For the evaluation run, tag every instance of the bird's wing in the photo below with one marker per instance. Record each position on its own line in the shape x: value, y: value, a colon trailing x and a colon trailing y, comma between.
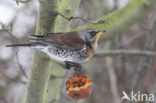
x: 69, y: 40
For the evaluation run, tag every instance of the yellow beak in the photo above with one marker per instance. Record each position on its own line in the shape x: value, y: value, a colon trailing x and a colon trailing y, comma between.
x: 100, y: 32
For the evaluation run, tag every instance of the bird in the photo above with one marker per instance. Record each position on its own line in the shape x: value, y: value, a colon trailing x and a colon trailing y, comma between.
x: 72, y: 48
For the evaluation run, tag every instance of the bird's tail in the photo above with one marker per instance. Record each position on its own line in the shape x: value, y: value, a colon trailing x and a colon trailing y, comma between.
x: 13, y: 45
x: 25, y: 44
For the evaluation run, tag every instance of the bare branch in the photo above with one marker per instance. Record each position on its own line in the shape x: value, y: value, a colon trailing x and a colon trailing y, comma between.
x: 53, y: 101
x: 112, y: 77
x: 120, y: 20
x: 18, y: 80
x: 8, y: 30
x: 113, y: 82
x: 55, y: 76
x: 72, y: 18
x: 112, y: 53
x: 20, y: 66
x: 143, y: 62
x: 22, y: 1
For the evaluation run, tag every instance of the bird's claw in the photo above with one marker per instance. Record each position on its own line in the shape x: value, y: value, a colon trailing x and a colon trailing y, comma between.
x: 76, y: 66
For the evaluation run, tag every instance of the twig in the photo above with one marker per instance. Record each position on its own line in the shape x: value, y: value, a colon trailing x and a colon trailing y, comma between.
x: 53, y: 101
x: 113, y: 82
x: 12, y: 36
x: 120, y: 20
x: 143, y: 63
x: 56, y: 76
x: 22, y: 1
x: 112, y: 77
x: 9, y: 31
x: 20, y: 66
x: 18, y: 80
x: 112, y: 53
x: 72, y: 17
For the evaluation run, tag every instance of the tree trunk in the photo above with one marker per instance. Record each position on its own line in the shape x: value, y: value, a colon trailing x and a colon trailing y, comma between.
x: 40, y: 70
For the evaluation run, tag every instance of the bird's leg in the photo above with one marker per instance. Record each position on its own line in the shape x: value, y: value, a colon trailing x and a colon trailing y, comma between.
x: 68, y: 65
x: 72, y: 17
x: 77, y: 67
x: 65, y: 66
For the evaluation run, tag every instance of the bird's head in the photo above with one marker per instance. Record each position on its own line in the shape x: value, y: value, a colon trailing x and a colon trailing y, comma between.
x: 91, y: 34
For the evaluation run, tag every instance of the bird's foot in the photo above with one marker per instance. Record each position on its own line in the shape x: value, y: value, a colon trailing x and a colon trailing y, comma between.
x: 77, y: 67
x: 65, y: 66
x: 68, y: 65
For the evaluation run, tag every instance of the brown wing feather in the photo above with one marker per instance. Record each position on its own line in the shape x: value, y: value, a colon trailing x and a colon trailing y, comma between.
x: 69, y: 39
x: 72, y: 39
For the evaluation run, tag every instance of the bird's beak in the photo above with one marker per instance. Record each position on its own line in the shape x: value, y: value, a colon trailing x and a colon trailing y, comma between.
x: 101, y: 32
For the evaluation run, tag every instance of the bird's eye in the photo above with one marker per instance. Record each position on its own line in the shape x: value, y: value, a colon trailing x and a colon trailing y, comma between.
x: 93, y: 33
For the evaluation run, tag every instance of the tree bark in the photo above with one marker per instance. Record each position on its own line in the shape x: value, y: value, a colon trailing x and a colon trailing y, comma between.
x: 39, y: 71
x: 67, y: 8
x: 116, y: 22
x: 119, y: 20
x: 43, y: 82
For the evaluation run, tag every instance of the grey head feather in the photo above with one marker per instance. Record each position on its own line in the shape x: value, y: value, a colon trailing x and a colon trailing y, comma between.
x: 86, y: 34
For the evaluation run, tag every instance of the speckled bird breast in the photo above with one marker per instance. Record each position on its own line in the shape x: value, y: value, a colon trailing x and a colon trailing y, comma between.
x: 64, y: 54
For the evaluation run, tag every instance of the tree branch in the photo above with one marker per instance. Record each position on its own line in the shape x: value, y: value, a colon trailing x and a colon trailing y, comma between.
x: 20, y: 66
x: 113, y: 53
x: 41, y: 88
x: 112, y: 76
x: 67, y: 8
x: 143, y: 62
x: 118, y: 21
x: 22, y: 1
x: 39, y: 72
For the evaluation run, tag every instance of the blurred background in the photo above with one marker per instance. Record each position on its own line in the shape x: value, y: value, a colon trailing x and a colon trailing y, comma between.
x: 127, y: 72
